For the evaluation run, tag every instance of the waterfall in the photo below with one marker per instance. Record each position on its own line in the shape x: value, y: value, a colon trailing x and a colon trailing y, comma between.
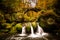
x: 33, y: 35
x: 32, y: 31
x: 23, y: 30
x: 39, y: 30
x: 33, y: 3
x: 23, y: 33
x: 40, y: 33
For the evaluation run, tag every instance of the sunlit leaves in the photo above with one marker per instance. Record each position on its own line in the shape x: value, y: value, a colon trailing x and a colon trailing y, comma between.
x: 13, y: 30
x: 31, y: 16
x: 8, y: 25
x: 18, y: 26
x: 19, y: 16
x: 46, y: 15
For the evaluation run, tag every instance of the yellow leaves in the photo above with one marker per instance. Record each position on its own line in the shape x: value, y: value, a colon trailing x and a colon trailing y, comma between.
x: 39, y: 13
x: 26, y: 18
x: 19, y: 25
x: 34, y: 24
x: 48, y: 12
x: 44, y: 3
x: 31, y: 16
x: 13, y: 30
x: 8, y: 25
x: 22, y: 5
x: 51, y: 1
x: 19, y: 16
x: 41, y: 4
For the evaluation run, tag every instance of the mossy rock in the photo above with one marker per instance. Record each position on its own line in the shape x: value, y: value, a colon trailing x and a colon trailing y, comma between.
x: 18, y: 26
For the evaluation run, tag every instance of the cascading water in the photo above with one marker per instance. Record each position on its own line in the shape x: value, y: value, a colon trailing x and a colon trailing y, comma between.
x: 33, y: 4
x: 32, y: 32
x: 23, y: 32
x: 40, y: 31
x: 40, y: 34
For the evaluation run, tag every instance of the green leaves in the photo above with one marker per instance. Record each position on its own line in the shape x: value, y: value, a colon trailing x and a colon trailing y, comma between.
x: 18, y: 26
x: 13, y: 30
x: 12, y: 15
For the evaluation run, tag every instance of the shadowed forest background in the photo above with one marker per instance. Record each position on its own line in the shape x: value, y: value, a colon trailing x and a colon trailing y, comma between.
x: 13, y: 13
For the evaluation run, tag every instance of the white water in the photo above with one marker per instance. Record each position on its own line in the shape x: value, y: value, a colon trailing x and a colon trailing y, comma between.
x: 32, y: 32
x: 40, y: 31
x: 23, y: 31
x: 33, y: 3
x: 39, y: 34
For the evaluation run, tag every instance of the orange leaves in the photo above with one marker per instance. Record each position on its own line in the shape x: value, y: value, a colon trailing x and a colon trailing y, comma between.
x: 31, y: 15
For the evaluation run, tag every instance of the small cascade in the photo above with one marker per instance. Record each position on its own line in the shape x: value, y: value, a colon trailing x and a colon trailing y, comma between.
x: 40, y: 31
x: 32, y: 32
x: 23, y: 32
x: 39, y: 34
x: 33, y: 4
